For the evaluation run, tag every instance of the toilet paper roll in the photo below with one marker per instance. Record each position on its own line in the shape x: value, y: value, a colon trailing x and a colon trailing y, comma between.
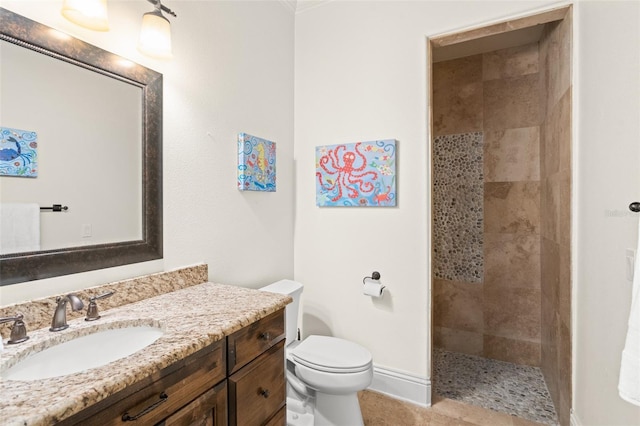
x: 373, y: 289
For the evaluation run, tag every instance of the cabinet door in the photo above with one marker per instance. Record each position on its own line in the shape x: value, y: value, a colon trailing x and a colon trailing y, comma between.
x: 209, y: 409
x: 257, y: 391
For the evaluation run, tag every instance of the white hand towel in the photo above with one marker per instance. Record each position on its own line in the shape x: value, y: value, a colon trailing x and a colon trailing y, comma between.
x: 629, y: 382
x: 19, y: 227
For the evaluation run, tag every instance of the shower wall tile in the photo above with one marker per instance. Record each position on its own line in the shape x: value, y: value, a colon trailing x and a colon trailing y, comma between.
x: 550, y: 205
x: 517, y: 351
x: 466, y: 342
x: 457, y: 96
x: 508, y: 108
x: 511, y: 103
x: 557, y: 60
x: 511, y: 207
x: 564, y: 374
x: 564, y: 358
x: 512, y: 62
x: 555, y: 200
x: 550, y: 271
x: 564, y: 131
x: 557, y: 140
x: 457, y: 207
x: 549, y: 357
x: 457, y: 305
x: 511, y: 261
x: 564, y: 213
x: 457, y: 159
x: 564, y: 284
x: 513, y: 313
x: 512, y: 155
x: 556, y: 205
x: 563, y: 406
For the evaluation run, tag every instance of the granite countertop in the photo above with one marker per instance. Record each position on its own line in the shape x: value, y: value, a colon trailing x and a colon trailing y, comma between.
x: 192, y: 318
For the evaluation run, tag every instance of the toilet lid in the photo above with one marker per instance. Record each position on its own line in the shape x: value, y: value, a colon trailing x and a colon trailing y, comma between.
x: 332, y: 354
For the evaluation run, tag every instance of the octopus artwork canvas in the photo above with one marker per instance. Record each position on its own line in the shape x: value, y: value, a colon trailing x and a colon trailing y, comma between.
x: 361, y: 174
x: 18, y: 152
x: 256, y: 164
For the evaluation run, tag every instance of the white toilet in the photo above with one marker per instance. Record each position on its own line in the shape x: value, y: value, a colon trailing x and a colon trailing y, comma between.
x: 324, y: 374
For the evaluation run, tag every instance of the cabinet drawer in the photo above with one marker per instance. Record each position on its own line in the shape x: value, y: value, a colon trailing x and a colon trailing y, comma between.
x: 246, y: 344
x: 257, y: 391
x: 280, y: 418
x: 161, y: 394
x: 209, y: 409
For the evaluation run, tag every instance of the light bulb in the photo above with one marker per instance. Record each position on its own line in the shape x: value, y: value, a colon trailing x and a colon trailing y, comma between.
x: 155, y: 35
x: 91, y: 14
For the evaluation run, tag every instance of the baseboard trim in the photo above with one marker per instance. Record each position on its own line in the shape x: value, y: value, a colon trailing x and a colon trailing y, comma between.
x: 402, y: 386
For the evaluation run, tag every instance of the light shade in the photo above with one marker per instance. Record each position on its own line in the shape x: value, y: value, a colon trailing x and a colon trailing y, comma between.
x: 90, y: 14
x: 155, y: 36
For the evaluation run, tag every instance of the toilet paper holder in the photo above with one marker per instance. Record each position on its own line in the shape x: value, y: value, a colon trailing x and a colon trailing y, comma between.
x: 375, y: 275
x: 373, y: 288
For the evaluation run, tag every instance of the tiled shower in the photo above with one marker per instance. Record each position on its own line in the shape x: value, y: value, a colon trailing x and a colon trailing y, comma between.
x: 501, y: 202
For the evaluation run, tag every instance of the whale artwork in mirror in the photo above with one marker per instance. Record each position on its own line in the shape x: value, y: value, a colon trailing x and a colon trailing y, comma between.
x: 98, y: 120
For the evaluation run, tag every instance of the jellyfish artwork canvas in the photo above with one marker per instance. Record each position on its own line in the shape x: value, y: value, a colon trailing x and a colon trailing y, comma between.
x: 256, y: 164
x: 18, y: 152
x: 361, y: 174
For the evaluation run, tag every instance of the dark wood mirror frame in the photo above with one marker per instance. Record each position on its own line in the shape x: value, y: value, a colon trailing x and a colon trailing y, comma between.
x: 21, y: 267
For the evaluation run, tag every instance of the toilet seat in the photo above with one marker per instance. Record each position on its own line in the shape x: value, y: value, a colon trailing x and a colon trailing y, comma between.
x: 332, y: 355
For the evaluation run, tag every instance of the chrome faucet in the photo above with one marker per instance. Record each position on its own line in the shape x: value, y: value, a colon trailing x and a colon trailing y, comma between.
x: 92, y: 310
x: 59, y: 321
x: 18, y: 331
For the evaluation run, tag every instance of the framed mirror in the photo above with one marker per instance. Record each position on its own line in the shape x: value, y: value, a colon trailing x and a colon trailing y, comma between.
x: 102, y: 159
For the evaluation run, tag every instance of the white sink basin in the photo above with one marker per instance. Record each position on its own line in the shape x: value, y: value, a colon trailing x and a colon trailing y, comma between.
x: 83, y: 353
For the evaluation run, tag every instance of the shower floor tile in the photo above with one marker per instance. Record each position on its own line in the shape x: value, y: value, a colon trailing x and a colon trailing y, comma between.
x: 518, y: 390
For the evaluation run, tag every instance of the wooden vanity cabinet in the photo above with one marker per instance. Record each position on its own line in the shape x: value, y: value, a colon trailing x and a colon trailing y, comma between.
x: 196, y: 384
x: 257, y: 385
x: 236, y: 381
x: 208, y: 409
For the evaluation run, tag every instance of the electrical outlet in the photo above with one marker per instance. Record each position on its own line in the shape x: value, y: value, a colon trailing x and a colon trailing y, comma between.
x: 86, y: 230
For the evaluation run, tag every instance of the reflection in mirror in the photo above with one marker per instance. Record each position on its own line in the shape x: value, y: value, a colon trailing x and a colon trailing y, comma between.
x: 87, y: 147
x: 94, y: 122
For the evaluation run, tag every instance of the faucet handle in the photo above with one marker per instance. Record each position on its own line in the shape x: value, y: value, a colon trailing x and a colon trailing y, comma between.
x: 18, y: 331
x: 92, y: 309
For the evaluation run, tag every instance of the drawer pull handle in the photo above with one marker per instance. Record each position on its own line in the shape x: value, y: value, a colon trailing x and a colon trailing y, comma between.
x: 265, y: 393
x: 163, y: 398
x: 265, y: 336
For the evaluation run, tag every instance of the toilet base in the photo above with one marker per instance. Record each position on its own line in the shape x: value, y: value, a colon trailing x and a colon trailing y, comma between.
x: 337, y: 410
x: 299, y: 413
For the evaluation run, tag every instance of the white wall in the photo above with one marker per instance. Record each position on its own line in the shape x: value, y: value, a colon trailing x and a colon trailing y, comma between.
x: 232, y: 72
x: 361, y: 75
x: 607, y: 104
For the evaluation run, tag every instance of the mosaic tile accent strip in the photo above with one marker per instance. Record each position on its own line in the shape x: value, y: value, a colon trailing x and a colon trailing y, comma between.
x: 458, y: 194
x: 514, y: 389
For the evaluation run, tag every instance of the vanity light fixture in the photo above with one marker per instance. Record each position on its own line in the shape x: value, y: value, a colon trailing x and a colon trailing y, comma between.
x: 155, y: 34
x: 90, y: 14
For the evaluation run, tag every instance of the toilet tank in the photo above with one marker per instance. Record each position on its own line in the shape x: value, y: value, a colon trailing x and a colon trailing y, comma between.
x: 293, y: 289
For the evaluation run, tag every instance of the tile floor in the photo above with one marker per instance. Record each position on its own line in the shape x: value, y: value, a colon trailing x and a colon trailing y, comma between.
x: 519, y: 390
x: 478, y: 391
x: 381, y: 410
